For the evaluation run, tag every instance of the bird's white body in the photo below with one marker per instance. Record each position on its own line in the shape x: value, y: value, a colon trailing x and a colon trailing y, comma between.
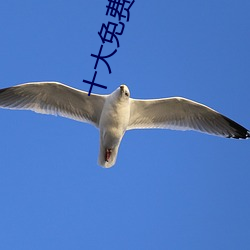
x: 113, y: 124
x: 116, y: 113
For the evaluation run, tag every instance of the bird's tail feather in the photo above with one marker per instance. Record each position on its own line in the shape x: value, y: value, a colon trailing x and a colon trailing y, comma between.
x: 102, y: 157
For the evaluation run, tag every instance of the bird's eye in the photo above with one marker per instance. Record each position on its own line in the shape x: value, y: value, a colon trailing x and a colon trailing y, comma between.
x: 126, y: 93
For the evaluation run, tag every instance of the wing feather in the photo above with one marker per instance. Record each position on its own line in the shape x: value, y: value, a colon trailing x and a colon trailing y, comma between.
x: 182, y: 114
x: 54, y: 98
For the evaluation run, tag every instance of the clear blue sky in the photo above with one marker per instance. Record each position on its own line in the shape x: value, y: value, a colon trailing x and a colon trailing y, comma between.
x: 169, y: 189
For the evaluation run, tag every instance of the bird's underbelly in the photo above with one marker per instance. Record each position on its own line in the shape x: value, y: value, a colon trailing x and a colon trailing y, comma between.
x: 113, y: 124
x: 111, y: 136
x: 112, y: 131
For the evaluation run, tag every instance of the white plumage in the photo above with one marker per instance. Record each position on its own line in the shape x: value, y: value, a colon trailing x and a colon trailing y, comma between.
x: 115, y: 113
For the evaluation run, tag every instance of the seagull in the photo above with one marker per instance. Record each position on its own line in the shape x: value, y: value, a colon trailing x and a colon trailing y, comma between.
x: 116, y: 113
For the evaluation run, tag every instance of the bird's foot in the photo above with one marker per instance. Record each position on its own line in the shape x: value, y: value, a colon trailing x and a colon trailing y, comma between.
x: 108, y: 154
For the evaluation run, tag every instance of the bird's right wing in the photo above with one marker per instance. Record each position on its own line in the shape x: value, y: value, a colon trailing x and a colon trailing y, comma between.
x: 182, y: 114
x: 54, y: 98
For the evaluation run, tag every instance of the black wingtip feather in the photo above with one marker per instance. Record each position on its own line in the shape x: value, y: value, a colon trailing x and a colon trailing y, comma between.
x: 3, y: 90
x: 239, y: 131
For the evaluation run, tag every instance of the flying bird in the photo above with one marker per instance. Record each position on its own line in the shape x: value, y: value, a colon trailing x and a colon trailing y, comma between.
x: 116, y: 113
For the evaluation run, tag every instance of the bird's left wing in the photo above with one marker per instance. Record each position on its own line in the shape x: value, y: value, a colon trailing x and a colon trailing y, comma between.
x: 54, y: 98
x: 182, y: 114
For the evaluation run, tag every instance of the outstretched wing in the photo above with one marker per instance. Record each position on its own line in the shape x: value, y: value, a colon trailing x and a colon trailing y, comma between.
x: 55, y: 99
x: 182, y: 114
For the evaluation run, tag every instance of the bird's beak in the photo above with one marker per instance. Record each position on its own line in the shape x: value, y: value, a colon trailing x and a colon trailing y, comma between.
x: 122, y: 88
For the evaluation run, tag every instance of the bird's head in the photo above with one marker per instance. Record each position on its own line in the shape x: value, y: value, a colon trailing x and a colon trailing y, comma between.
x: 124, y: 91
x: 121, y: 93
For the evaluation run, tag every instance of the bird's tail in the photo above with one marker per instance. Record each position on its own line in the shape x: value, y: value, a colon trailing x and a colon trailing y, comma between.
x: 103, y: 160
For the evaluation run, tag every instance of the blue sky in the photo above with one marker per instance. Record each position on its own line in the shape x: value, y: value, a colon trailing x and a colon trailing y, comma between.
x: 169, y: 189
